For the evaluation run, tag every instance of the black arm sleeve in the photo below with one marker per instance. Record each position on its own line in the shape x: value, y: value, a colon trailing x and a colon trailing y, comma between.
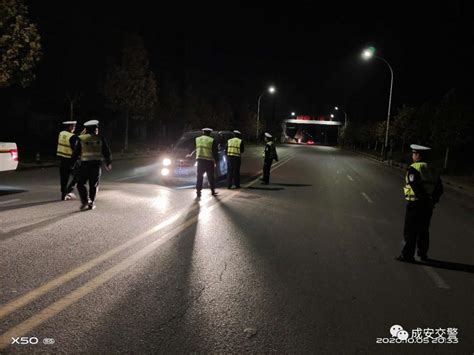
x: 438, y: 191
x: 215, y: 153
x: 275, y: 155
x: 414, y: 179
x: 73, y: 142
x: 242, y: 147
x: 106, y: 153
x: 76, y: 152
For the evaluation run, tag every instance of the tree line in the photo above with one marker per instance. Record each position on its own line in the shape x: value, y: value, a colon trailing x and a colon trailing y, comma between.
x: 446, y: 126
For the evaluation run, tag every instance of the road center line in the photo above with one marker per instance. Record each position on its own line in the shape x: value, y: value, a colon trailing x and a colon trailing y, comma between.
x: 9, y: 201
x: 367, y: 197
x: 57, y: 282
x: 438, y: 280
x: 47, y: 313
x: 350, y: 178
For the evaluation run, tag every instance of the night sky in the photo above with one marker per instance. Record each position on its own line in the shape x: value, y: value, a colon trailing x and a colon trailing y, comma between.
x: 310, y: 50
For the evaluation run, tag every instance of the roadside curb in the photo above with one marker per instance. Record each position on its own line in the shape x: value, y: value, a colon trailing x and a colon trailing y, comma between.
x: 447, y: 182
x: 52, y: 164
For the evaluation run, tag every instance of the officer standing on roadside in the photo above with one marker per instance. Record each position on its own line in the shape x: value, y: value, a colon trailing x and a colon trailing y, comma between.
x: 269, y: 155
x: 423, y: 188
x: 91, y: 148
x: 66, y: 142
x: 206, y: 158
x: 234, y: 150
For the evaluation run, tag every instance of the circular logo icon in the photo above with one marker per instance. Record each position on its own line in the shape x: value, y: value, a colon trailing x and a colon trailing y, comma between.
x: 402, y: 335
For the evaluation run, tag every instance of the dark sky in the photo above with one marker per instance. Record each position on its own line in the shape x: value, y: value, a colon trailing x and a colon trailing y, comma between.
x: 310, y: 50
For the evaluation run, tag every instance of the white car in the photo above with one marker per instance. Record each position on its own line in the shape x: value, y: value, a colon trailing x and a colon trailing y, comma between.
x: 8, y: 156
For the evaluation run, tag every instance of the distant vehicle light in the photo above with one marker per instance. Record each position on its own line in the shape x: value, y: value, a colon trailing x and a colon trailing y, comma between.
x: 165, y: 171
x: 166, y: 162
x: 310, y: 142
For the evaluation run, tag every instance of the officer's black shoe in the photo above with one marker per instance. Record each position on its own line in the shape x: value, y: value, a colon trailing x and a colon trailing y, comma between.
x: 237, y: 187
x: 406, y: 259
x: 423, y: 257
x: 214, y: 193
x: 84, y: 207
x: 265, y: 183
x: 229, y: 187
x: 91, y: 205
x: 63, y: 197
x: 198, y: 194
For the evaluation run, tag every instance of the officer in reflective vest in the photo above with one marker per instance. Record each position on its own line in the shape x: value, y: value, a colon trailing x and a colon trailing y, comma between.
x: 269, y: 154
x: 91, y: 149
x: 234, y: 150
x: 423, y: 189
x: 206, y: 158
x: 66, y: 142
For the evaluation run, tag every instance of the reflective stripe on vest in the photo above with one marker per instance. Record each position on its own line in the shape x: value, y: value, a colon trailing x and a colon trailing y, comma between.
x: 204, y: 147
x: 91, y: 147
x: 64, y: 146
x: 233, y: 146
x: 428, y: 180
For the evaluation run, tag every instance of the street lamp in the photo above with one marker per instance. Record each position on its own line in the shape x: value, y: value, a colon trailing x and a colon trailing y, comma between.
x: 271, y: 90
x: 293, y: 114
x: 332, y: 116
x: 345, y: 115
x: 367, y: 54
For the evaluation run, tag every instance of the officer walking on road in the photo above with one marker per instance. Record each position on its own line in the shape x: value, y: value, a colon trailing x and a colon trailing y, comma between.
x: 269, y: 155
x: 206, y: 157
x: 91, y: 148
x: 423, y: 189
x: 234, y: 150
x: 66, y: 142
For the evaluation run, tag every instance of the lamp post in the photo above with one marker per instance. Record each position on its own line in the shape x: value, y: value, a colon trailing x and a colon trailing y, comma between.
x: 271, y: 90
x: 368, y: 54
x: 293, y: 114
x: 345, y: 115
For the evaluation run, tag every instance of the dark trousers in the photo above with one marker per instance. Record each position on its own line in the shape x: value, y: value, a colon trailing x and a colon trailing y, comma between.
x: 417, y: 225
x: 267, y: 165
x: 88, y: 172
x: 65, y: 170
x: 233, y: 171
x: 205, y: 166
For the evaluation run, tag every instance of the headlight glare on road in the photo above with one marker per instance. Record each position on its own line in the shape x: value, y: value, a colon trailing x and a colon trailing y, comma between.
x: 165, y: 171
x: 166, y: 162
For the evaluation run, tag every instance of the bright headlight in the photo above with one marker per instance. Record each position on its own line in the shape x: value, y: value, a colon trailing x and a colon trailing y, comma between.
x: 165, y: 171
x: 166, y: 162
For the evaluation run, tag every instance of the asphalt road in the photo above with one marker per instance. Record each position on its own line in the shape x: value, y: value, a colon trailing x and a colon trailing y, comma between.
x: 303, y: 265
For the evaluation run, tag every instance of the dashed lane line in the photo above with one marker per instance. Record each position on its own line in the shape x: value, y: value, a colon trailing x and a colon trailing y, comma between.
x: 438, y: 280
x: 369, y: 200
x: 350, y: 178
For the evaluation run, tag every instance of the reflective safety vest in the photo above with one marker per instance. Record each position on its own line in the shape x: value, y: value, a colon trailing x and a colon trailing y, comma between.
x: 204, y: 147
x: 64, y: 146
x: 428, y: 179
x: 233, y: 147
x: 91, y: 147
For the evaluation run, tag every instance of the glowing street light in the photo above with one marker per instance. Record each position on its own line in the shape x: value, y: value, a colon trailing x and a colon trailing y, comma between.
x: 271, y: 90
x: 345, y: 114
x: 367, y: 54
x: 293, y: 114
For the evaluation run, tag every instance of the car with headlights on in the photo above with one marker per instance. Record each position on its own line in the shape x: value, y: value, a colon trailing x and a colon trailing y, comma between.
x: 179, y: 165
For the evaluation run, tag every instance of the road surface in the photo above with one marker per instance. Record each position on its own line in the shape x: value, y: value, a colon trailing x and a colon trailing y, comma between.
x: 303, y: 265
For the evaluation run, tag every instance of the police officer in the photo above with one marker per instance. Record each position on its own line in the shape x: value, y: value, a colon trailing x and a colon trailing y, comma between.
x: 269, y: 155
x: 66, y: 142
x: 91, y: 148
x: 234, y: 149
x: 206, y: 157
x: 423, y: 188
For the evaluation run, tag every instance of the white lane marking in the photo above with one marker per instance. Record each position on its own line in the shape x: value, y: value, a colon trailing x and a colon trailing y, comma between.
x: 369, y: 200
x: 185, y: 187
x: 275, y: 166
x: 350, y: 177
x: 131, y: 177
x: 9, y: 201
x: 439, y: 282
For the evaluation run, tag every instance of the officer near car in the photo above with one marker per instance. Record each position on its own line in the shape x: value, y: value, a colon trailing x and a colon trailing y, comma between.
x: 269, y: 154
x: 92, y: 149
x: 423, y: 189
x: 206, y: 158
x: 235, y: 148
x: 66, y: 142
